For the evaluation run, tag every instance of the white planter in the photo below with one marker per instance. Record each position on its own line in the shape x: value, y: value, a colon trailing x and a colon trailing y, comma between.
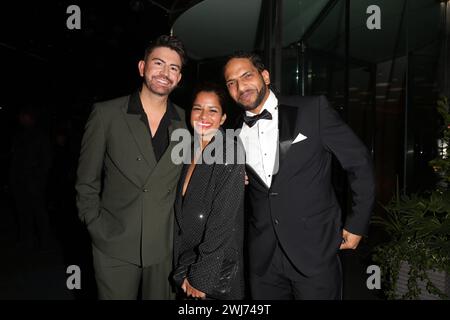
x: 440, y: 279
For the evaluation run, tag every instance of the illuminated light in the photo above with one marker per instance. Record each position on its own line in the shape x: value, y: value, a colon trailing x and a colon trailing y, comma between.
x: 442, y: 146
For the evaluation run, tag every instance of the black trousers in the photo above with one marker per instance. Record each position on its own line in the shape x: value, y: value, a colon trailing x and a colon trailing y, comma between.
x: 282, y: 281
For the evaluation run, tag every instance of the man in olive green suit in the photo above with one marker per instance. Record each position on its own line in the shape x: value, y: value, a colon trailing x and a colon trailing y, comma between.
x: 126, y: 180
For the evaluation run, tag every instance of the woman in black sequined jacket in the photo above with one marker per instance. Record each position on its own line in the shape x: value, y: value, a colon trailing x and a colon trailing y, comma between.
x: 209, y: 208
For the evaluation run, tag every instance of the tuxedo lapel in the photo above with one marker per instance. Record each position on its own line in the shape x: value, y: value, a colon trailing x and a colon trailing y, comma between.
x: 287, y: 121
x: 287, y: 127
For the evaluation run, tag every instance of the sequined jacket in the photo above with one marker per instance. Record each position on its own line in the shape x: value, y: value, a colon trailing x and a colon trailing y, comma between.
x: 209, y: 226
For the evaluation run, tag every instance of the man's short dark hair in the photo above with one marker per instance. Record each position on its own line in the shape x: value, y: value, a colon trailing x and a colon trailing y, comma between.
x: 214, y: 88
x: 253, y: 57
x: 170, y: 42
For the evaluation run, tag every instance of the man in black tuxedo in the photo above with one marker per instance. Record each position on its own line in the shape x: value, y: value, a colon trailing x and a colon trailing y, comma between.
x: 295, y: 230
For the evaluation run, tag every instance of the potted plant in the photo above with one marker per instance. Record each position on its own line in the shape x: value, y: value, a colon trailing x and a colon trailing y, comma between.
x: 418, y: 226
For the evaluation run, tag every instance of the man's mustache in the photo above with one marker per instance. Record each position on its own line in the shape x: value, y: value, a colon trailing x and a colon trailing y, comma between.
x: 245, y: 92
x: 163, y: 78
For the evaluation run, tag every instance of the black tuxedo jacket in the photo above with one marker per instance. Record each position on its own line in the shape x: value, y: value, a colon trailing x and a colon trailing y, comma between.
x: 300, y: 209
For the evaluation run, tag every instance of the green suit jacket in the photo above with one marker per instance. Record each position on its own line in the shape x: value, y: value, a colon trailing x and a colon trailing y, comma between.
x: 124, y: 196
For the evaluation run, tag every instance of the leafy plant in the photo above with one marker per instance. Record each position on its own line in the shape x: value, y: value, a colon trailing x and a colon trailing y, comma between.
x: 419, y: 229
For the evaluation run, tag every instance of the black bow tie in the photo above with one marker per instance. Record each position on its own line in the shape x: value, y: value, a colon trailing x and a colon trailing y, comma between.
x: 250, y: 121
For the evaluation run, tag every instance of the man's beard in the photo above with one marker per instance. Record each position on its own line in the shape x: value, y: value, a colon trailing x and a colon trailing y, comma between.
x: 158, y: 90
x: 259, y: 99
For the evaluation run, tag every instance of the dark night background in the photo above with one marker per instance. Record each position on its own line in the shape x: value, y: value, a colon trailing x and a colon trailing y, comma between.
x: 56, y: 74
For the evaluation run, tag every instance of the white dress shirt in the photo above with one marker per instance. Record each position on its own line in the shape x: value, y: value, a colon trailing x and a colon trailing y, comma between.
x: 261, y: 142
